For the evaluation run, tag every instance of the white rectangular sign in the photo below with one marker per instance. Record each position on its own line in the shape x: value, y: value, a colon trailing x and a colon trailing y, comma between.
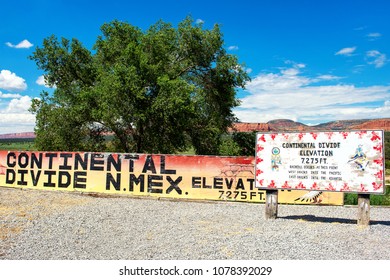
x: 350, y: 161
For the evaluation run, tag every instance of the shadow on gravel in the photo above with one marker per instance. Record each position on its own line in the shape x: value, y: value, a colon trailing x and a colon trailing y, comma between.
x: 312, y: 218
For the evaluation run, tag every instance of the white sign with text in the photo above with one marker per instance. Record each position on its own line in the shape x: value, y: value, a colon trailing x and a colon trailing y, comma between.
x: 350, y: 161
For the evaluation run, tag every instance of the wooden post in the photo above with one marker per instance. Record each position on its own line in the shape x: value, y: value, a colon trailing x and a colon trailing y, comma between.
x: 271, y: 204
x: 363, y: 210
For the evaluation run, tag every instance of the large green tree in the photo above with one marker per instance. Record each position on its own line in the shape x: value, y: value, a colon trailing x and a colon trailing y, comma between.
x: 156, y: 91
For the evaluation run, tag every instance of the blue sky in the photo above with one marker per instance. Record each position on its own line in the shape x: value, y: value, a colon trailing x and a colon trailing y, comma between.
x: 309, y: 61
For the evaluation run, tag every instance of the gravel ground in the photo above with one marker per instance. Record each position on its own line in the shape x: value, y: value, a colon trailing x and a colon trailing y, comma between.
x: 57, y: 225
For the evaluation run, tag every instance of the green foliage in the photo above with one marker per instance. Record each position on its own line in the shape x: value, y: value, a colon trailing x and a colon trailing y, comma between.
x: 387, y: 148
x: 238, y: 144
x: 246, y: 141
x: 52, y: 122
x: 17, y: 144
x: 352, y: 198
x: 229, y: 147
x: 158, y: 91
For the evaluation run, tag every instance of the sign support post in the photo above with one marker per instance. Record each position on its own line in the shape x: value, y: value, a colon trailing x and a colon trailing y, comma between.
x: 271, y: 204
x: 363, y: 219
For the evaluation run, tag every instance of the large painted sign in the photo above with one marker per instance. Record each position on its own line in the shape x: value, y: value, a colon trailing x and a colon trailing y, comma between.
x: 350, y: 161
x: 167, y: 176
x: 174, y: 176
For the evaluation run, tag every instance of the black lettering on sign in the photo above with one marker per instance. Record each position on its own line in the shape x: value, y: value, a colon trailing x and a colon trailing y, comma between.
x: 23, y: 160
x: 65, y: 165
x: 49, y: 182
x: 174, y: 184
x: 10, y: 176
x: 117, y: 164
x: 64, y: 179
x: 131, y: 159
x: 229, y: 182
x: 251, y: 183
x: 51, y: 156
x: 218, y: 183
x: 115, y: 182
x: 204, y: 184
x: 22, y: 181
x: 138, y: 181
x: 36, y: 161
x: 35, y: 177
x: 83, y: 162
x: 97, y: 163
x: 149, y: 165
x: 240, y: 185
x: 80, y: 180
x: 196, y: 182
x: 162, y: 167
x: 154, y: 181
x: 11, y: 159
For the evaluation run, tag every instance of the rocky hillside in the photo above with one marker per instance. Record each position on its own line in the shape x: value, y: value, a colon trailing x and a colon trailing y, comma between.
x: 341, y: 125
x: 289, y: 125
x: 286, y: 125
x: 374, y: 124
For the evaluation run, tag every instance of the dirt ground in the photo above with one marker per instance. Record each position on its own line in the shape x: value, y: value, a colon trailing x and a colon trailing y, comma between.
x: 20, y: 207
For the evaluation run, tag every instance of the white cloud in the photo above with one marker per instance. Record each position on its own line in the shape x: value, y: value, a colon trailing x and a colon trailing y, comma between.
x: 9, y: 81
x: 295, y: 64
x: 232, y: 48
x: 41, y: 81
x: 287, y: 79
x: 327, y: 78
x: 25, y: 44
x: 357, y: 69
x: 373, y: 36
x: 248, y: 70
x: 376, y: 58
x: 9, y: 95
x: 199, y: 21
x: 19, y: 105
x: 346, y: 51
x: 15, y: 117
x: 289, y: 94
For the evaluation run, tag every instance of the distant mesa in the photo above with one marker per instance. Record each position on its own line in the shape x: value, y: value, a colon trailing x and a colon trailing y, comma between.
x: 22, y: 135
x: 249, y: 127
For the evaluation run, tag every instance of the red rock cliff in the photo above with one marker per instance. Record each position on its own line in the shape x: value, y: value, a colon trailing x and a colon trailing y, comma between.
x: 374, y: 124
